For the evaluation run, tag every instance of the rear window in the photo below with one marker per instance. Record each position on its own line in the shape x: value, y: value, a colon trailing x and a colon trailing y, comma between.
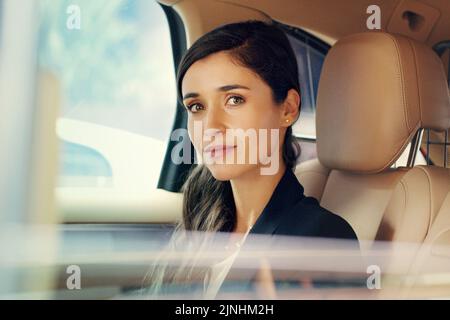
x: 310, y: 53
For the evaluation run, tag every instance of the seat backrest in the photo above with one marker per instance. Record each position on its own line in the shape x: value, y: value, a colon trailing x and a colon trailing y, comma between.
x: 376, y: 90
x: 414, y: 205
x: 425, y: 266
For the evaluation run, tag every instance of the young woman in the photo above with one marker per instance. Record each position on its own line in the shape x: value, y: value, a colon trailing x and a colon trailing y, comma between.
x: 244, y: 76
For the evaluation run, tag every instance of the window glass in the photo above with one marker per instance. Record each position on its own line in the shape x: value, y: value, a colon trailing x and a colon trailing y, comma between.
x: 114, y: 63
x: 310, y: 60
x: 437, y: 144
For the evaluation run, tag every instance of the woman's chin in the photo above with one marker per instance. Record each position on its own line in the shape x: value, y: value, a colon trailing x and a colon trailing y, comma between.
x: 225, y: 172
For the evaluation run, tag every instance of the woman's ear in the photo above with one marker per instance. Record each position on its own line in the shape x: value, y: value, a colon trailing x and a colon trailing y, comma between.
x: 290, y: 108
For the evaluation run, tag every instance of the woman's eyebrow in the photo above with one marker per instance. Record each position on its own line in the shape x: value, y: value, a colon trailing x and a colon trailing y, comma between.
x: 222, y: 88
x: 190, y: 95
x: 231, y: 87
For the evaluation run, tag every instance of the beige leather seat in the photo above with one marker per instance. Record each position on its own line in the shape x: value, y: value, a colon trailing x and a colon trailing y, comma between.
x: 430, y: 268
x: 425, y: 267
x: 376, y: 90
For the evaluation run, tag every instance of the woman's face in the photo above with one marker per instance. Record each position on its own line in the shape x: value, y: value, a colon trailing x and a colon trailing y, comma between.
x: 222, y: 96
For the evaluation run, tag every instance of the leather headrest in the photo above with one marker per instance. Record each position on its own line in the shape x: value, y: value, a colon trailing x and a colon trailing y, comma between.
x: 376, y: 90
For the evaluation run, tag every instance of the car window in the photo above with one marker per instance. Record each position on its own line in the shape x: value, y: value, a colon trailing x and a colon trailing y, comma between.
x: 435, y: 144
x: 310, y: 53
x: 310, y: 61
x: 113, y: 60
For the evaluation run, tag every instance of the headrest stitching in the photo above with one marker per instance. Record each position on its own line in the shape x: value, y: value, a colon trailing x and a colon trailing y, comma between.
x: 402, y: 81
x: 416, y: 65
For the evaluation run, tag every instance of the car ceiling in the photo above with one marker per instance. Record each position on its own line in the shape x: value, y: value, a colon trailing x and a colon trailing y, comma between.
x: 326, y: 19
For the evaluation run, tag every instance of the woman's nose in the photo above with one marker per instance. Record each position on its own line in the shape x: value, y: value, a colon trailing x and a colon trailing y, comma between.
x: 214, y: 120
x: 214, y: 126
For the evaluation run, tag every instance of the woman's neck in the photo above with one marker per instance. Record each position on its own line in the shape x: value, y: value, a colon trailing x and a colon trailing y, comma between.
x: 251, y: 193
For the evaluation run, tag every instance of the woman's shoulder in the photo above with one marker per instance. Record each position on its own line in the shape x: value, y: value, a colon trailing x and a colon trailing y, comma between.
x: 307, y: 218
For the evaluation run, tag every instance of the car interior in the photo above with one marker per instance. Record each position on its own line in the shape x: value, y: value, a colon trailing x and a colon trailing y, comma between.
x: 373, y: 130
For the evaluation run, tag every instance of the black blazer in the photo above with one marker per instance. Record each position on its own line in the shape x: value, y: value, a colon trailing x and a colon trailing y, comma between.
x: 290, y: 212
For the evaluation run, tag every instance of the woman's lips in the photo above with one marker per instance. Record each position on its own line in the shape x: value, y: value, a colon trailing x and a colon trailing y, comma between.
x: 218, y: 151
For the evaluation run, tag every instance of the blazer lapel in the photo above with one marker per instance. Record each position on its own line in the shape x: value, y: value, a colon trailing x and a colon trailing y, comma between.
x: 287, y: 193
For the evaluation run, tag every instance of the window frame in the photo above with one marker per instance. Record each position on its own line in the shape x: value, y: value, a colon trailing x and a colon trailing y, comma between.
x: 172, y: 175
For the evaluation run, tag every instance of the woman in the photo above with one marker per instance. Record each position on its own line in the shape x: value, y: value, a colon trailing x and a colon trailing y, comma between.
x: 244, y: 76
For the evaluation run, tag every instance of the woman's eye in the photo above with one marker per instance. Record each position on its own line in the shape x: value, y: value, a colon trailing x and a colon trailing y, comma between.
x: 235, y: 100
x: 194, y: 108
